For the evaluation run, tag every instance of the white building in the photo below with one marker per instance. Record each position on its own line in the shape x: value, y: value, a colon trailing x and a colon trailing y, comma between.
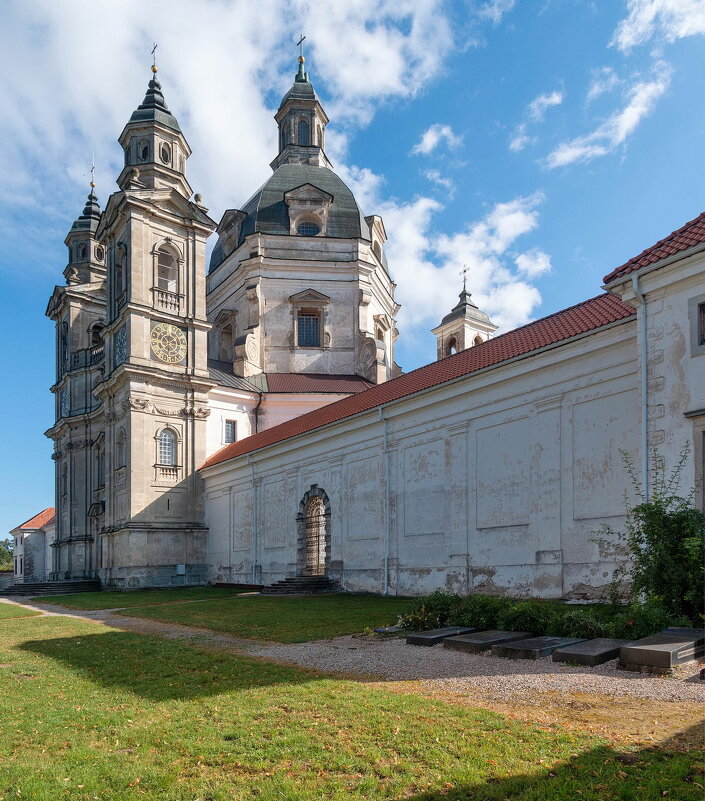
x: 32, y: 546
x: 249, y: 423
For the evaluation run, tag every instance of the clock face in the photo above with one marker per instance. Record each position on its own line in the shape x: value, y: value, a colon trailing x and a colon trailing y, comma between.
x: 168, y: 343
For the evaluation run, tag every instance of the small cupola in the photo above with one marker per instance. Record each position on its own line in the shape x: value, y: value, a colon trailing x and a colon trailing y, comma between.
x: 463, y: 327
x: 86, y: 256
x: 155, y: 148
x: 302, y: 123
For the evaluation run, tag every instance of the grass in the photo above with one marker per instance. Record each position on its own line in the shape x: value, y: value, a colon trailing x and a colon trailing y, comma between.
x: 94, y: 713
x: 8, y: 611
x: 111, y: 600
x: 292, y: 619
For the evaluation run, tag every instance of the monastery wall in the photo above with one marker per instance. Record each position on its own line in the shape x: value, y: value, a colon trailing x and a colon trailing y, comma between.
x: 496, y: 482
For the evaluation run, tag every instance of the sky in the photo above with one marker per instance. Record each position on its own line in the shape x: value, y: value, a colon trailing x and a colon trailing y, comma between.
x: 537, y: 143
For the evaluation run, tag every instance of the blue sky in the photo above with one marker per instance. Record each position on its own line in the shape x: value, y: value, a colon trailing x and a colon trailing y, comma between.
x: 540, y: 143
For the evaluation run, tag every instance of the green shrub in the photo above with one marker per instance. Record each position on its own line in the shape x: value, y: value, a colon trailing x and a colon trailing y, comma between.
x: 482, y: 611
x: 641, y: 620
x: 580, y: 623
x: 437, y: 610
x: 535, y: 616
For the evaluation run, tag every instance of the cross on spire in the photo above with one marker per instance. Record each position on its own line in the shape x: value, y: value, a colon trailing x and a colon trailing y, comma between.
x: 154, y: 57
x: 92, y: 169
x: 300, y: 45
x: 464, y: 273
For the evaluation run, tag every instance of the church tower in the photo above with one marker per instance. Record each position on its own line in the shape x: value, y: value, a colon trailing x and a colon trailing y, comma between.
x: 153, y: 394
x: 464, y: 326
x: 78, y: 309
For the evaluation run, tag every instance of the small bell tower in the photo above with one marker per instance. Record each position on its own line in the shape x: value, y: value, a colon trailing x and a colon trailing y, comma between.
x: 302, y: 123
x: 464, y: 327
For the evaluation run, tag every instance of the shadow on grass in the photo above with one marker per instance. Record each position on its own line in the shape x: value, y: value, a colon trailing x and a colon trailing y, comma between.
x: 601, y: 773
x: 159, y: 669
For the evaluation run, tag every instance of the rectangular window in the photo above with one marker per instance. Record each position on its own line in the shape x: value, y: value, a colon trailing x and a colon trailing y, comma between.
x: 701, y: 323
x: 309, y: 330
x: 696, y: 313
x: 230, y: 431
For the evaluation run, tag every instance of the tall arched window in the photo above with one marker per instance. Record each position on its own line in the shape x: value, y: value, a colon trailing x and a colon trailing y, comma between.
x: 167, y: 271
x: 303, y: 133
x: 96, y: 335
x: 477, y: 340
x: 452, y: 346
x: 167, y: 448
x: 226, y: 344
x: 120, y: 448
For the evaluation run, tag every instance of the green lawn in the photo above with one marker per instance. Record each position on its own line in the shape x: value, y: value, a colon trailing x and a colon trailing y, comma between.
x: 287, y: 619
x: 90, y: 712
x: 111, y: 599
x: 10, y: 611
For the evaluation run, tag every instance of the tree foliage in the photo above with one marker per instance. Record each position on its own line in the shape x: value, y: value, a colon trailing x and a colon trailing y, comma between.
x: 6, y: 562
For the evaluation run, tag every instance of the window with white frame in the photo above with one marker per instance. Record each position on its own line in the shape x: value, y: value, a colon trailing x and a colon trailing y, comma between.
x: 166, y: 451
x: 229, y: 431
x: 167, y: 272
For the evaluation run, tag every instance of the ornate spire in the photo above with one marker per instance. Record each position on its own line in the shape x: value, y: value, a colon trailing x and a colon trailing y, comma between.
x: 154, y: 107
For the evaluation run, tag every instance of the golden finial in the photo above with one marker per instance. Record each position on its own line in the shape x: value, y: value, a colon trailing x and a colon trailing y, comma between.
x: 154, y: 62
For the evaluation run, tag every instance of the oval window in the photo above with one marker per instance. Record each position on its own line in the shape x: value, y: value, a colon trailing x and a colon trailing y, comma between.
x: 165, y: 153
x: 99, y: 253
x: 308, y: 229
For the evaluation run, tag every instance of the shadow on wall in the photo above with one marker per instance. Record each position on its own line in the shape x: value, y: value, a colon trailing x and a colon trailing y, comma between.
x: 671, y: 771
x: 158, y: 669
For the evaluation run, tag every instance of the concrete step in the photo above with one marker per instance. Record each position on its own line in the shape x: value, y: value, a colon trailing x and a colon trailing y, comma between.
x: 302, y: 585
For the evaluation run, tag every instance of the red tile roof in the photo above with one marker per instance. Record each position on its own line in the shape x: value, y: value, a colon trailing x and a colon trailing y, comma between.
x: 40, y: 520
x: 581, y: 319
x: 691, y: 234
x: 308, y: 382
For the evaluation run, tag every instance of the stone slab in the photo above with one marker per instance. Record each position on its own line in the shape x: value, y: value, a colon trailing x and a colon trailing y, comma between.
x: 435, y: 636
x: 670, y: 647
x: 592, y: 652
x: 533, y: 648
x: 483, y: 640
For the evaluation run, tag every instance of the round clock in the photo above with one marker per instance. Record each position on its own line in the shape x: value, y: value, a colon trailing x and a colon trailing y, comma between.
x: 168, y: 343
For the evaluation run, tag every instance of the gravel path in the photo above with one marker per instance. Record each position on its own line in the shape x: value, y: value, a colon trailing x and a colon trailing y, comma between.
x: 391, y: 659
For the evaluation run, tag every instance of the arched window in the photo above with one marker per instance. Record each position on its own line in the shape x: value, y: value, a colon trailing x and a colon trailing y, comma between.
x: 120, y: 448
x: 100, y: 467
x: 226, y: 344
x: 64, y: 343
x: 313, y: 523
x: 167, y: 448
x: 96, y: 335
x: 452, y: 346
x: 303, y: 133
x: 64, y: 480
x: 477, y: 340
x: 82, y: 251
x: 167, y: 271
x: 143, y: 150
x: 308, y: 228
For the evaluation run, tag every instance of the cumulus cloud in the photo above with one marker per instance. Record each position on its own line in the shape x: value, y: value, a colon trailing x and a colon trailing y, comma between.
x: 671, y: 19
x: 535, y: 113
x: 604, y: 80
x: 607, y: 137
x: 435, y: 177
x: 494, y: 10
x: 433, y: 136
x: 533, y: 262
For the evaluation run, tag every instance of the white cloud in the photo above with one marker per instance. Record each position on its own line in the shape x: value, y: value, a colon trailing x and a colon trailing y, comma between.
x: 494, y: 10
x: 604, y: 80
x: 535, y: 113
x: 539, y: 105
x: 433, y: 136
x: 436, y: 178
x: 641, y: 100
x: 672, y: 19
x: 533, y: 263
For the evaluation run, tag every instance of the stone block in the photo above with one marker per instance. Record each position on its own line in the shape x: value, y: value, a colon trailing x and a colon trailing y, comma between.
x: 591, y: 652
x: 662, y: 651
x: 483, y: 640
x: 435, y: 636
x: 533, y: 648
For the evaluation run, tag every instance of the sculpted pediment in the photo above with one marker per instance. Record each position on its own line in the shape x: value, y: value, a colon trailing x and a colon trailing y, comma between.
x: 309, y: 296
x: 308, y: 194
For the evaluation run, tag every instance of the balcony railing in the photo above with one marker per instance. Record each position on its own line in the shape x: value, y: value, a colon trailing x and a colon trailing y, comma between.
x: 167, y: 474
x: 163, y: 299
x: 85, y: 357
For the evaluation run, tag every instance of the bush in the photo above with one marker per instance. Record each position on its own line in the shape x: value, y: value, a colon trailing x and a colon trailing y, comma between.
x: 535, y: 616
x: 581, y: 623
x: 665, y: 543
x: 641, y: 620
x: 482, y: 611
x: 437, y: 610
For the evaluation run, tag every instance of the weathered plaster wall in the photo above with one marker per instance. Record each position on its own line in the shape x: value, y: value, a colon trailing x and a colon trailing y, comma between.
x: 497, y: 482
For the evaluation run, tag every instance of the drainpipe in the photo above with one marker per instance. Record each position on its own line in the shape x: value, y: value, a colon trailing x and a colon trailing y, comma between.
x: 644, y: 387
x: 254, y: 520
x: 388, y: 504
x: 259, y: 403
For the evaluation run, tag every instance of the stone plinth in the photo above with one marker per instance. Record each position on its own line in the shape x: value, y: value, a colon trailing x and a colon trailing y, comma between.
x: 435, y: 636
x: 533, y: 648
x: 660, y: 652
x: 591, y: 652
x: 483, y: 640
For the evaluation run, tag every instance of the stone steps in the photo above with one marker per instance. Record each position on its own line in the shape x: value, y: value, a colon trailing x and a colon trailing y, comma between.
x: 52, y: 587
x: 303, y: 585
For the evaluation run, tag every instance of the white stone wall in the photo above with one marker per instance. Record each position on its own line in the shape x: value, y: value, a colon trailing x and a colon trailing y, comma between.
x: 497, y: 482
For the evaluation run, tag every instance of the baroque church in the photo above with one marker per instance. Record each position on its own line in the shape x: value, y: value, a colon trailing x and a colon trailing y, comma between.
x: 245, y: 421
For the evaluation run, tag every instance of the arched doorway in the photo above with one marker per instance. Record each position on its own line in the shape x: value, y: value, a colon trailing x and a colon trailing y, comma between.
x: 313, y: 522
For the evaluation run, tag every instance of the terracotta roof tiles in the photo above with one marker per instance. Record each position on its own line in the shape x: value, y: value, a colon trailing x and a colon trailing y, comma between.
x: 690, y: 235
x: 587, y: 316
x: 39, y: 521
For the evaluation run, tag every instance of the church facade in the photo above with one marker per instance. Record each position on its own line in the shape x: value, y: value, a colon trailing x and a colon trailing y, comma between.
x: 248, y: 423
